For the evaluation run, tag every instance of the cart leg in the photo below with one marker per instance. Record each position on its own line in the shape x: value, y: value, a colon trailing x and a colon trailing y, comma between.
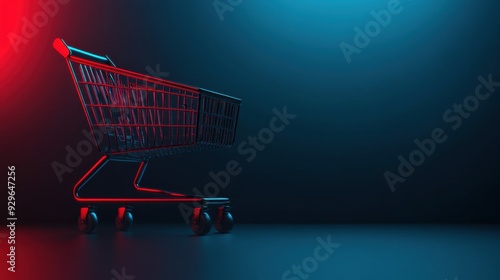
x: 89, y: 175
x: 87, y: 220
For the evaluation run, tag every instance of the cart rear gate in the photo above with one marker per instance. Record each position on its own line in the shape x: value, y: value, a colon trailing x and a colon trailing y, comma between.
x: 134, y: 118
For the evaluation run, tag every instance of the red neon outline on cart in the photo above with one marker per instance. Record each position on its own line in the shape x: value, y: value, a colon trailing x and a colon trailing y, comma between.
x: 65, y: 51
x: 102, y: 161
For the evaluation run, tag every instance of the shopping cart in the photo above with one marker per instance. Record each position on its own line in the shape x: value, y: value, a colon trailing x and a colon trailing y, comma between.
x: 134, y: 117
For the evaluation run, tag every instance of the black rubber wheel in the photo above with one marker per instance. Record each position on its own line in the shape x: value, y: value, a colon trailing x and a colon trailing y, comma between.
x: 224, y: 222
x: 89, y: 224
x: 203, y: 225
x: 124, y: 223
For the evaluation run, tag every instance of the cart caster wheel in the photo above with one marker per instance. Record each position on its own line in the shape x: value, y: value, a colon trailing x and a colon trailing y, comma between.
x: 201, y: 222
x: 124, y: 219
x: 87, y: 222
x: 224, y: 222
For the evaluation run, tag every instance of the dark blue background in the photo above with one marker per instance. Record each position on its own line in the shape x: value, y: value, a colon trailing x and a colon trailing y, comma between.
x: 353, y: 119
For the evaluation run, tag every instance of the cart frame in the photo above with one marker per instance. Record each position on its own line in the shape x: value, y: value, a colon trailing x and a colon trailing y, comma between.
x: 137, y: 147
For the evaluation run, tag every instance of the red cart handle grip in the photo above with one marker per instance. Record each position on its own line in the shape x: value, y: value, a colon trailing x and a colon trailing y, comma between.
x: 67, y: 52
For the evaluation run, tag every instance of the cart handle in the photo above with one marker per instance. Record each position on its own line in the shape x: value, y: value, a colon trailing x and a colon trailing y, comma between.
x: 67, y: 52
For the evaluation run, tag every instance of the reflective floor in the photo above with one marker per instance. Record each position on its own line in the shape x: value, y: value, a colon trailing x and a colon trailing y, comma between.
x: 257, y: 252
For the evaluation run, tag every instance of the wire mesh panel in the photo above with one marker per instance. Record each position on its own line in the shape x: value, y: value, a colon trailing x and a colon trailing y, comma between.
x: 135, y: 113
x: 218, y: 117
x: 143, y: 116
